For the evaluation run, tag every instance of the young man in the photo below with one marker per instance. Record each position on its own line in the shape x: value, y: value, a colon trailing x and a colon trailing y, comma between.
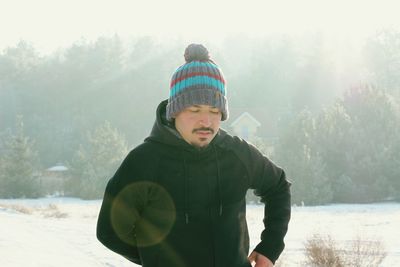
x: 178, y: 199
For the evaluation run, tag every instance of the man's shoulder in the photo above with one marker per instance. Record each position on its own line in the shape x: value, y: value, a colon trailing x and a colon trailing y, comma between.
x: 243, y: 149
x: 145, y: 149
x: 233, y: 142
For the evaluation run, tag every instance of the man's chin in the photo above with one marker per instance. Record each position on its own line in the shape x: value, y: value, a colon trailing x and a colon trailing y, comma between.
x: 201, y: 144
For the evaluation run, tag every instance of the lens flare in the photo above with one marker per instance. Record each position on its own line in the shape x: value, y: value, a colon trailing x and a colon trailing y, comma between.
x: 143, y: 214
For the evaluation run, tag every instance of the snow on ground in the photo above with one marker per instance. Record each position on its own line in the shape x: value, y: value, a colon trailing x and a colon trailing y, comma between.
x: 61, y: 231
x: 369, y: 222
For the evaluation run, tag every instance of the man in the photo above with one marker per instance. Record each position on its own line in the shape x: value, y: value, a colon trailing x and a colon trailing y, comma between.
x: 178, y: 199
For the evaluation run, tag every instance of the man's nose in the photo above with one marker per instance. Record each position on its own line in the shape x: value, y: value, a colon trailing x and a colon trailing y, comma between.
x: 205, y: 119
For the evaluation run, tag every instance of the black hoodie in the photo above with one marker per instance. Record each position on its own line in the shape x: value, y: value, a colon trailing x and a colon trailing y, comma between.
x: 171, y: 204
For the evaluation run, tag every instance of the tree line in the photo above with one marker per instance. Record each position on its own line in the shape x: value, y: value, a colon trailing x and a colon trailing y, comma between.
x: 348, y: 152
x: 87, y: 105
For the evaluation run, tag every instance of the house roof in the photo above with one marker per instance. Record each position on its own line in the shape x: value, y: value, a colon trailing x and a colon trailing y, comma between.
x: 57, y: 168
x: 245, y: 115
x: 266, y: 117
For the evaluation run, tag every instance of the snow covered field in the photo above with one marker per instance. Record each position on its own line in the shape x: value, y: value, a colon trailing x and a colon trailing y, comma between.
x: 61, y: 231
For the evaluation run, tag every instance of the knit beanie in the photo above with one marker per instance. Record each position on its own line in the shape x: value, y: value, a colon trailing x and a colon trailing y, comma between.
x: 198, y: 82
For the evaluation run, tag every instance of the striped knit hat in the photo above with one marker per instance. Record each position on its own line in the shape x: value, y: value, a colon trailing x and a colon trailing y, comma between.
x: 198, y: 82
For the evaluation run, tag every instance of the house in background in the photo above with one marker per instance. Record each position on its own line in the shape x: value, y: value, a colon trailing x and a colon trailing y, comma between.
x: 261, y: 122
x: 245, y: 126
x: 52, y: 179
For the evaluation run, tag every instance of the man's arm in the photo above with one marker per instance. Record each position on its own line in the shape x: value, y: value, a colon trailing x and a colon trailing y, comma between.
x: 275, y: 194
x: 112, y: 235
x: 120, y: 210
x: 270, y: 183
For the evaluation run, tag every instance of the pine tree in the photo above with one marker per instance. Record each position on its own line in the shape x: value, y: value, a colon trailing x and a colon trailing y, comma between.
x: 96, y: 161
x: 374, y: 142
x: 296, y: 152
x: 19, y: 163
x: 333, y: 144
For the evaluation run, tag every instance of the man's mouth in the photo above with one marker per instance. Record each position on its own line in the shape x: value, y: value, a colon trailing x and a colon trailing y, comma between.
x: 203, y: 131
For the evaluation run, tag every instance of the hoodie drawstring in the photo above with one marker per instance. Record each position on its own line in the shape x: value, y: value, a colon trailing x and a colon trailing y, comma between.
x: 186, y: 189
x: 218, y: 181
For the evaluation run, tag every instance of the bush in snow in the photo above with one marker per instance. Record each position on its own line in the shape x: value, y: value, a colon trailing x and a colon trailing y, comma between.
x: 325, y: 252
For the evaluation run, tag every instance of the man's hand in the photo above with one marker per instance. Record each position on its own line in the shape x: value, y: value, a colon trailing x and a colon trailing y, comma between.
x: 259, y: 260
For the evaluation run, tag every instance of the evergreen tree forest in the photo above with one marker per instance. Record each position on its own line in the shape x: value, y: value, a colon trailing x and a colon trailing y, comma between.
x: 335, y: 110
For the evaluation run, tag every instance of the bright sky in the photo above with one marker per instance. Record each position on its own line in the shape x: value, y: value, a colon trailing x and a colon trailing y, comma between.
x: 49, y: 24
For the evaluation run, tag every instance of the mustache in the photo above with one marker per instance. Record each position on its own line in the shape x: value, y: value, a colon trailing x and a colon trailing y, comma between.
x: 204, y: 129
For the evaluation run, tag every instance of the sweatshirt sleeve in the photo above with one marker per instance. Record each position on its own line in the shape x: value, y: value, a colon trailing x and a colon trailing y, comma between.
x: 271, y: 185
x: 123, y: 201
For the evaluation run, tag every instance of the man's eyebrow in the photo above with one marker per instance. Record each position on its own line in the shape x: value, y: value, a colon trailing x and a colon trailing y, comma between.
x: 199, y: 106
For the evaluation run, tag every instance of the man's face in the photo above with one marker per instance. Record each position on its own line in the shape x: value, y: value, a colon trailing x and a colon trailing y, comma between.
x: 198, y: 124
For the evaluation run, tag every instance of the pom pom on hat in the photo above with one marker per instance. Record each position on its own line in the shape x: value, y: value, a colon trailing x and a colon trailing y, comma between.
x: 198, y: 82
x: 196, y: 52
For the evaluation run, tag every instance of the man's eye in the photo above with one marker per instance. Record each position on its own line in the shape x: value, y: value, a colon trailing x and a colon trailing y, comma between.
x: 194, y: 110
x: 215, y: 111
